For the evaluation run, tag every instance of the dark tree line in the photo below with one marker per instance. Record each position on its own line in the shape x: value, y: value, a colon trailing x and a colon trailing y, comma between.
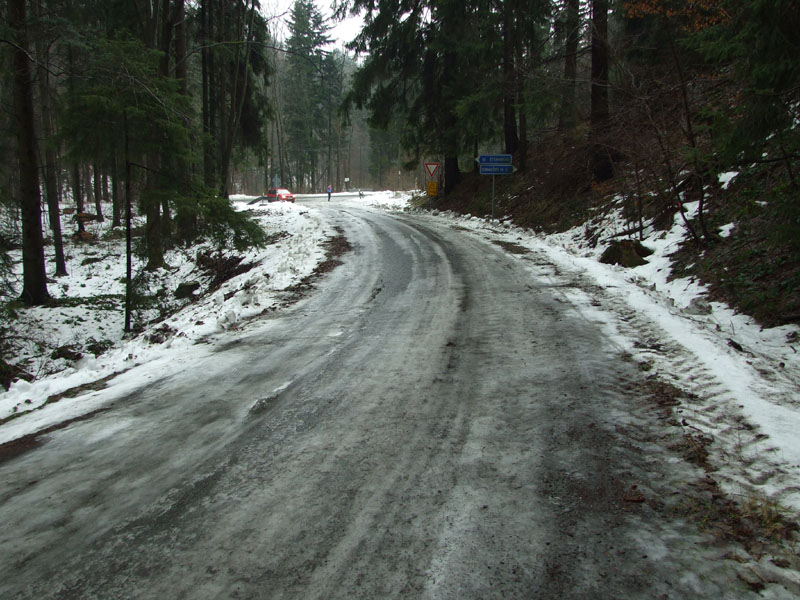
x: 467, y: 74
x: 150, y: 97
x: 165, y: 98
x: 666, y: 92
x: 314, y: 143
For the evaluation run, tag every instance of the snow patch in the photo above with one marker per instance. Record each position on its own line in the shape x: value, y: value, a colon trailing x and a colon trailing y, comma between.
x: 726, y: 178
x: 746, y: 379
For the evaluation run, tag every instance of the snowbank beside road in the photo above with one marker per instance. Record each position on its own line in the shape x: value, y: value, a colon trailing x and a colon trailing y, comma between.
x: 388, y: 199
x: 96, y: 270
x: 741, y: 382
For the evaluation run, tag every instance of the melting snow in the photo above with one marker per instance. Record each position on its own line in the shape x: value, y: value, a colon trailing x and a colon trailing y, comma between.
x: 748, y: 399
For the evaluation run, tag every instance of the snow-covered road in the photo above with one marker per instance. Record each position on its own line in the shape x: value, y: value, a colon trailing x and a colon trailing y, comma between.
x: 433, y: 421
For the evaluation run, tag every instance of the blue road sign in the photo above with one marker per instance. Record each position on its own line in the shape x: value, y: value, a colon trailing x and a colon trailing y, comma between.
x: 497, y: 169
x: 495, y: 164
x: 494, y: 159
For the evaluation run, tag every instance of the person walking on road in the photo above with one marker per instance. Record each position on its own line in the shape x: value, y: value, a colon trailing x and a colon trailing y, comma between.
x: 329, y: 193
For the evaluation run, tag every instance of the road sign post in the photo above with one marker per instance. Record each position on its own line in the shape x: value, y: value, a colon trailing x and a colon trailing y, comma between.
x: 433, y: 185
x: 494, y: 159
x: 495, y: 164
x: 431, y: 167
x: 496, y: 169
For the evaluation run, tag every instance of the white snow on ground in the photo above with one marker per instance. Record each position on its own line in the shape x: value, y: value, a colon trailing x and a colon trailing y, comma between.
x: 99, y: 269
x: 747, y: 399
x: 726, y: 178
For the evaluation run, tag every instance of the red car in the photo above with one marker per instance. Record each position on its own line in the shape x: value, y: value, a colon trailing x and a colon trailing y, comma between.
x: 275, y: 194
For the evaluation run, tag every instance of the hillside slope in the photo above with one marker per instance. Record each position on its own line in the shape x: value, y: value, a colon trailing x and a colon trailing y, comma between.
x: 750, y: 261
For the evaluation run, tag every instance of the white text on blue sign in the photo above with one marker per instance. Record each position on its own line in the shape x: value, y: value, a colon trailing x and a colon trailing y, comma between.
x: 497, y: 169
x: 494, y: 159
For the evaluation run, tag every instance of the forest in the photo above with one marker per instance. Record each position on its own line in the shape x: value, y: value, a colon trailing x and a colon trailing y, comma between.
x: 166, y: 107
x: 163, y: 109
x: 652, y: 104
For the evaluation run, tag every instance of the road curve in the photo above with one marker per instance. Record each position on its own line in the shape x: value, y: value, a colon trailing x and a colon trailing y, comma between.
x: 431, y: 422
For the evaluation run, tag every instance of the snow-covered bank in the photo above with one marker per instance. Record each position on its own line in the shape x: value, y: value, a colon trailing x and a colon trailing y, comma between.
x: 97, y: 270
x: 742, y: 382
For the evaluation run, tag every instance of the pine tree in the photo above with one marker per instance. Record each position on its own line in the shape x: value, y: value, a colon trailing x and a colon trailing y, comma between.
x: 602, y: 166
x: 125, y: 85
x: 34, y: 276
x: 308, y: 86
x: 416, y: 70
x: 760, y: 40
x: 457, y: 72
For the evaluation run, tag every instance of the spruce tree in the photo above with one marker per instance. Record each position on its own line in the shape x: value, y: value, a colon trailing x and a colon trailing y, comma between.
x: 307, y: 87
x: 34, y: 276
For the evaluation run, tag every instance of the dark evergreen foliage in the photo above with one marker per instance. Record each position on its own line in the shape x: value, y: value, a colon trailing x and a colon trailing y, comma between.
x: 115, y: 99
x: 659, y: 96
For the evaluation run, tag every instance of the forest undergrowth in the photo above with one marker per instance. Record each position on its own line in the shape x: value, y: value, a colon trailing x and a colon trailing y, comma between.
x: 750, y: 259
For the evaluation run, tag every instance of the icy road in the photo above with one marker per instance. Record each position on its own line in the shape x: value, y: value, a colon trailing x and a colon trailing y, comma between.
x: 431, y: 421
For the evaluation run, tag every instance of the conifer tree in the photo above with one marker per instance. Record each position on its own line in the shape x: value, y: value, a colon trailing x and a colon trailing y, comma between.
x: 308, y: 85
x: 599, y: 116
x: 34, y: 276
x: 416, y: 70
x: 760, y: 39
x: 455, y: 71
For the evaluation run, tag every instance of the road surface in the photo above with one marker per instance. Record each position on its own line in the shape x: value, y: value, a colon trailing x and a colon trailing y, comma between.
x: 432, y: 421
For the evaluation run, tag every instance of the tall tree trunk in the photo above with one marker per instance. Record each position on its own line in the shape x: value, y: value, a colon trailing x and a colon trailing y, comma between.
x: 153, y: 230
x: 182, y: 75
x: 522, y: 158
x: 181, y: 67
x: 205, y: 65
x: 329, y: 165
x: 75, y: 167
x: 279, y: 138
x: 279, y: 141
x: 50, y: 160
x: 165, y: 39
x: 509, y: 80
x: 519, y: 82
x: 104, y: 189
x: 88, y: 185
x: 213, y: 102
x: 116, y: 196
x: 602, y: 166
x: 221, y: 88
x: 567, y: 118
x: 599, y: 114
x: 167, y: 24
x: 98, y: 193
x: 238, y: 94
x: 34, y: 275
x: 128, y: 232
x: 450, y: 133
x: 77, y: 194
